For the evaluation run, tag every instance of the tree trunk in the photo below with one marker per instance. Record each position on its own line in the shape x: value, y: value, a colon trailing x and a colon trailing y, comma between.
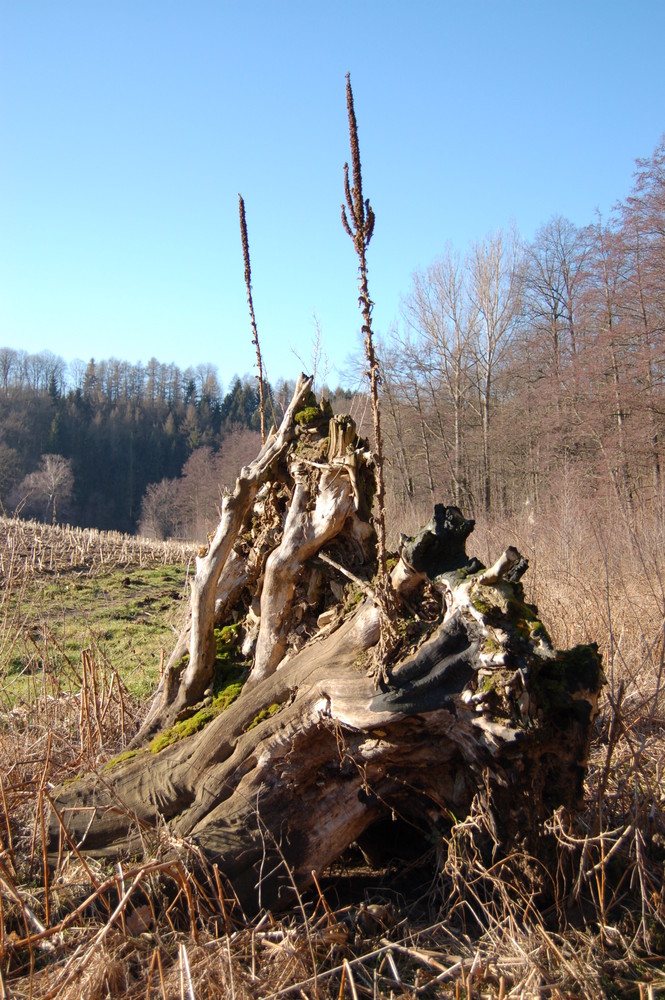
x: 480, y: 717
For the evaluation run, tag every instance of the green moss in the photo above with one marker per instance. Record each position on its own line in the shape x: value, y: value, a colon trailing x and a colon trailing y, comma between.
x: 405, y: 625
x: 121, y: 758
x: 265, y: 713
x: 311, y: 411
x: 520, y: 609
x: 508, y: 609
x: 227, y: 684
x: 226, y: 638
x: 229, y: 669
x: 483, y: 607
x: 308, y: 415
x: 181, y: 730
x: 353, y: 600
x: 539, y: 632
x: 195, y: 723
x: 70, y: 781
x: 226, y: 697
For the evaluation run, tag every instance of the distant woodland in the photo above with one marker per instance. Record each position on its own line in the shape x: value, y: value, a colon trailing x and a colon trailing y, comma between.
x: 123, y: 447
x: 518, y: 376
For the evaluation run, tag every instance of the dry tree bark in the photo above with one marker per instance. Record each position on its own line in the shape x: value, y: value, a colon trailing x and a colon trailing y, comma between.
x: 480, y: 716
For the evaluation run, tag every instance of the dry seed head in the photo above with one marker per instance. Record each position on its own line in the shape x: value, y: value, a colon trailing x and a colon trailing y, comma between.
x: 245, y: 242
x: 357, y: 190
x: 360, y: 215
x: 250, y: 302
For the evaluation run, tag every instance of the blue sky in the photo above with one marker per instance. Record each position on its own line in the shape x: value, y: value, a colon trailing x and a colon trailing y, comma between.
x: 128, y: 127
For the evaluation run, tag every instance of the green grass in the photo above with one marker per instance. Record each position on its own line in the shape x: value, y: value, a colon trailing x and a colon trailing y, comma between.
x: 126, y: 617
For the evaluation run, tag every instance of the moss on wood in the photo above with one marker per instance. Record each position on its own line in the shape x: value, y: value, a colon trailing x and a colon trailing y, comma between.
x: 265, y: 713
x: 187, y: 727
x: 121, y: 758
x: 308, y: 415
x: 229, y: 677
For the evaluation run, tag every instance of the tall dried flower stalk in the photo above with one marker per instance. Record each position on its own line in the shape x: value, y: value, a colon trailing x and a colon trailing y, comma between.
x: 358, y: 221
x: 252, y: 317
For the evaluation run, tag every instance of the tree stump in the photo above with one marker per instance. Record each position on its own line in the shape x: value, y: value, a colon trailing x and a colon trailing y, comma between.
x: 268, y: 746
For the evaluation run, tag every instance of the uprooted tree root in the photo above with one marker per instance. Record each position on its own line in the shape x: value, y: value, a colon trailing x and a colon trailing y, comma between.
x: 458, y: 924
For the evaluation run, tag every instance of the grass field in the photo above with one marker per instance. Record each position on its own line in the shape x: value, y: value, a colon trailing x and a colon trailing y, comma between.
x: 84, y: 624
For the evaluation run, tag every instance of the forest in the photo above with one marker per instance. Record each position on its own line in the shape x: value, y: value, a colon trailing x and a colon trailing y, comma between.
x: 518, y: 374
x: 522, y: 374
x: 83, y: 444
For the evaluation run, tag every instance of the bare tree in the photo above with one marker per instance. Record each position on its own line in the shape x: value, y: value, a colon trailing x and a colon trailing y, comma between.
x: 208, y: 384
x: 77, y: 369
x: 642, y: 218
x: 10, y: 466
x: 48, y: 490
x: 197, y: 493
x: 444, y: 319
x: 54, y: 369
x: 612, y: 355
x: 238, y: 449
x: 398, y: 409
x: 555, y: 267
x: 495, y: 293
x: 159, y: 510
x: 206, y: 476
x: 8, y: 366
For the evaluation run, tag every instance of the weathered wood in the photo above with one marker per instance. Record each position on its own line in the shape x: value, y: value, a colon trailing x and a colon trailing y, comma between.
x: 184, y: 684
x: 312, y: 520
x: 480, y: 717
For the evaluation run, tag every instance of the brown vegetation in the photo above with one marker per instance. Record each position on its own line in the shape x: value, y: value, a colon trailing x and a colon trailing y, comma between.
x: 163, y: 929
x: 34, y: 546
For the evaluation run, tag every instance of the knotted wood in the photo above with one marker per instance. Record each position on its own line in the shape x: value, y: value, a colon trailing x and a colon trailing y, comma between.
x: 480, y: 717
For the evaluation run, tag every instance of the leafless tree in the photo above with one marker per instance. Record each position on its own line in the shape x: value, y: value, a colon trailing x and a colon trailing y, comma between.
x: 48, y: 490
x: 555, y: 265
x: 8, y: 361
x: 444, y: 320
x: 77, y: 369
x: 642, y: 218
x: 495, y: 294
x: 159, y: 511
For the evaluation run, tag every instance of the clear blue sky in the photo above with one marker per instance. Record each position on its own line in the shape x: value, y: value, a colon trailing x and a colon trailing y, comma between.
x: 128, y: 127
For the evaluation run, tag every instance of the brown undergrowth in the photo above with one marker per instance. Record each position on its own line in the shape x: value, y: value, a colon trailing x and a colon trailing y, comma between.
x: 449, y: 925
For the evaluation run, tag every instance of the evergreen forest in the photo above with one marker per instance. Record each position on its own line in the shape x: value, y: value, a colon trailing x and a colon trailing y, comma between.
x: 100, y: 445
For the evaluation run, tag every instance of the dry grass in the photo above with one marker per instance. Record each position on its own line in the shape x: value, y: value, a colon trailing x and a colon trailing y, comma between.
x: 159, y: 927
x: 29, y: 546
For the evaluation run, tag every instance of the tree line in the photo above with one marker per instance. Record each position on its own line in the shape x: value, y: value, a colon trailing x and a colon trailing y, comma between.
x: 518, y: 375
x: 82, y: 443
x: 521, y: 373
